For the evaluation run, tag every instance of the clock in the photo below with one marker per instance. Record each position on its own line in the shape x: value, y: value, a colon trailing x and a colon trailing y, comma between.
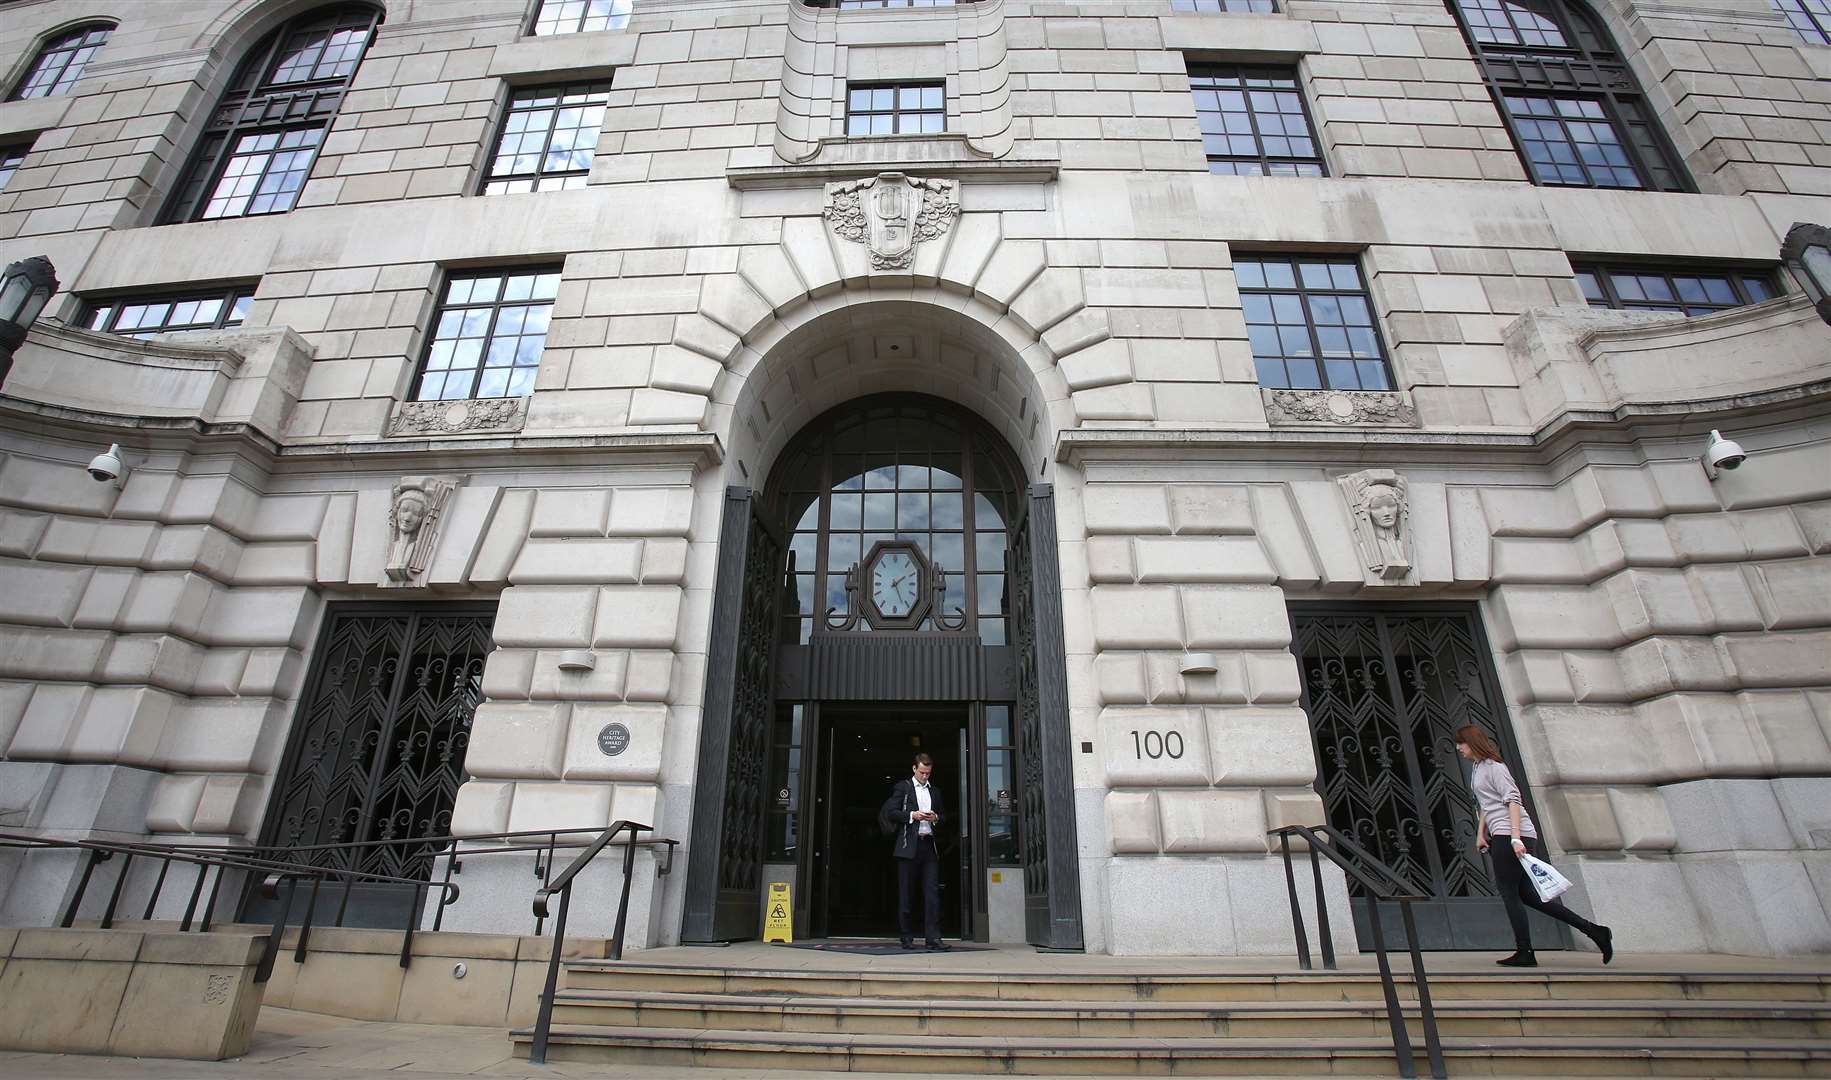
x: 898, y: 585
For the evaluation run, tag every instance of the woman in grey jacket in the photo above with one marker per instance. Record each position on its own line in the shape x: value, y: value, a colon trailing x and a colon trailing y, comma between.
x: 1504, y: 820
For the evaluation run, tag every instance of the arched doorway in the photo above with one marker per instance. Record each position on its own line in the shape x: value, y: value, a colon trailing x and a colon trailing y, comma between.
x: 893, y: 589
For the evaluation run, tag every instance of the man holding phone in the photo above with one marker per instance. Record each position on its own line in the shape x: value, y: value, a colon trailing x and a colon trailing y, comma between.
x: 913, y: 813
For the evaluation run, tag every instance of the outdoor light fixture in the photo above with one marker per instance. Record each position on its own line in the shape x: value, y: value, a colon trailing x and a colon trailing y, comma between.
x: 25, y: 288
x: 1807, y: 253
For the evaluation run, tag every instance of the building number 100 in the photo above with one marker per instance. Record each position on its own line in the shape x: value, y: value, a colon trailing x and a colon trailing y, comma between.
x: 1157, y: 744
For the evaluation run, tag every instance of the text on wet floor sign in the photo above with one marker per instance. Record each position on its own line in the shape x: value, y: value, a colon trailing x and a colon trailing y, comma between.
x: 778, y: 914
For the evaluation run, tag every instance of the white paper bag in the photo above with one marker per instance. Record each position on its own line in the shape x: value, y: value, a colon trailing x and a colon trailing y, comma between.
x: 1545, y: 878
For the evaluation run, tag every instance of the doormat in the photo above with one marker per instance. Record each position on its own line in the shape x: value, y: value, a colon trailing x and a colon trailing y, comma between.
x: 877, y: 948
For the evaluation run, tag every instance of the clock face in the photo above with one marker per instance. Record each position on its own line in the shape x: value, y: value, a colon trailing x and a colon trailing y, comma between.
x: 895, y: 584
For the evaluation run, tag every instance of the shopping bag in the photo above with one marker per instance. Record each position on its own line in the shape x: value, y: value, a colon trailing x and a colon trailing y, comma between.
x: 1545, y: 878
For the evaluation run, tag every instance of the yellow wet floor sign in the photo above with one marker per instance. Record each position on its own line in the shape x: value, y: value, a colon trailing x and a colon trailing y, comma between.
x: 778, y: 914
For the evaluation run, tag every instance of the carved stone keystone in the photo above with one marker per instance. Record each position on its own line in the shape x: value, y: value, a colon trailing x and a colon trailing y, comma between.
x: 1380, y: 507
x: 414, y: 517
x: 890, y: 214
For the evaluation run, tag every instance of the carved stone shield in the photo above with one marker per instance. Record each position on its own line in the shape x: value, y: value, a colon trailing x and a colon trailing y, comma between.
x: 891, y: 213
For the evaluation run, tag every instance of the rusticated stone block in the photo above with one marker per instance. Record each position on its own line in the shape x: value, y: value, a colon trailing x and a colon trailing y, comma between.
x: 1224, y: 820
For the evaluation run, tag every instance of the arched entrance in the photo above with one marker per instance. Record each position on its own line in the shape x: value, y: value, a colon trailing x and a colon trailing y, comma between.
x: 893, y: 589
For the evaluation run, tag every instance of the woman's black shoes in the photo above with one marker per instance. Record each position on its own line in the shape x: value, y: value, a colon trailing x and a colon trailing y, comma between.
x: 1605, y: 940
x: 1522, y: 958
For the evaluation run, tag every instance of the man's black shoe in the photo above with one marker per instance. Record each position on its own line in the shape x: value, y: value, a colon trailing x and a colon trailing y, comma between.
x: 939, y: 946
x: 908, y: 943
x: 1523, y: 958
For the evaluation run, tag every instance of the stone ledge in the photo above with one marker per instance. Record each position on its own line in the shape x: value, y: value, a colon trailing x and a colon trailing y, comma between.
x: 947, y: 156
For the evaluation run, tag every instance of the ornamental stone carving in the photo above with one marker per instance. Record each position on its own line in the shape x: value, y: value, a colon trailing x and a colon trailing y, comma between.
x: 1380, y: 508
x: 1369, y: 407
x: 459, y: 417
x: 414, y: 516
x: 890, y: 214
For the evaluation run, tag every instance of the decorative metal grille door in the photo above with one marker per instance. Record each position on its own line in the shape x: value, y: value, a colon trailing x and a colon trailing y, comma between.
x: 377, y: 751
x: 725, y: 867
x: 1385, y: 690
x: 1052, y: 883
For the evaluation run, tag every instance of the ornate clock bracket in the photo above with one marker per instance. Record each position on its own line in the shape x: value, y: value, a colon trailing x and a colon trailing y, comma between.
x: 849, y: 620
x: 956, y: 621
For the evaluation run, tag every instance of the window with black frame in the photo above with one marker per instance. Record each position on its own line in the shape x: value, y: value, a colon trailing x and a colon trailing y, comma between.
x: 896, y: 108
x: 784, y: 803
x: 580, y: 16
x: 11, y: 157
x: 1222, y: 6
x: 488, y: 334
x: 1811, y: 19
x: 147, y: 316
x: 549, y: 134
x: 61, y: 61
x: 1311, y: 323
x: 1002, y: 841
x: 1689, y: 290
x: 1253, y: 121
x: 264, y: 134
x: 1578, y: 117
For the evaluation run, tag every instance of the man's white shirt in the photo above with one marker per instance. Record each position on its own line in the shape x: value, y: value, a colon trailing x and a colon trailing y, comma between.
x: 924, y: 803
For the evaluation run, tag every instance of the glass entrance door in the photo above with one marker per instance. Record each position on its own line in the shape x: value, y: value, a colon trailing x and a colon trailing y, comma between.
x: 863, y: 753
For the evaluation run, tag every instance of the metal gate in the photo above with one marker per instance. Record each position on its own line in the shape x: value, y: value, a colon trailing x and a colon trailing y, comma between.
x: 1385, y: 689
x: 377, y: 748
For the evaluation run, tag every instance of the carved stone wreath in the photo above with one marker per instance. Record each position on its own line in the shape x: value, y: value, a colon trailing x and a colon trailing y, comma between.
x: 891, y: 213
x: 1338, y: 407
x: 457, y: 417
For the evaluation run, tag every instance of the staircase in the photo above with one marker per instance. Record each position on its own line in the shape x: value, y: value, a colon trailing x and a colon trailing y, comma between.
x: 1702, y: 1016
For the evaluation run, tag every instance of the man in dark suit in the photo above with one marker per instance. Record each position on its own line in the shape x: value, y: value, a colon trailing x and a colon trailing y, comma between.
x: 913, y: 814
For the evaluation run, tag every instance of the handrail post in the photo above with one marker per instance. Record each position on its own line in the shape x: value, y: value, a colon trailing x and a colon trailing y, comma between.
x: 629, y: 871
x: 1427, y: 1015
x: 1395, y: 1014
x: 451, y: 862
x: 305, y: 924
x: 152, y: 901
x: 190, y: 909
x: 209, y: 907
x: 413, y: 920
x: 120, y: 882
x: 1322, y: 910
x: 264, y: 970
x: 1290, y: 888
x: 543, y: 1021
x: 82, y: 885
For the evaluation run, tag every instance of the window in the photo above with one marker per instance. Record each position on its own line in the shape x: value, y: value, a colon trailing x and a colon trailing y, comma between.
x: 1691, y: 291
x: 60, y: 63
x: 143, y: 317
x: 264, y: 135
x: 1811, y: 18
x: 857, y: 5
x: 11, y: 157
x: 547, y: 139
x: 580, y: 16
x: 1001, y: 787
x: 1222, y: 5
x: 488, y: 335
x: 1576, y: 113
x: 890, y: 109
x: 1311, y: 324
x: 1253, y: 122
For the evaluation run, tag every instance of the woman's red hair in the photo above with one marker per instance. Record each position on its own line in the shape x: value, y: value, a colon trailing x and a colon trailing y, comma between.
x: 1477, y: 740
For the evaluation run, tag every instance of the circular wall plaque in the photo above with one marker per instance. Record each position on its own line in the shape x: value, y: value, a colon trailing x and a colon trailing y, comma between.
x: 613, y: 739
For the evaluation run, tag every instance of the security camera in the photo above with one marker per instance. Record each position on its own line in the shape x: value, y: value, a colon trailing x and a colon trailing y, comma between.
x: 1722, y: 454
x: 109, y: 466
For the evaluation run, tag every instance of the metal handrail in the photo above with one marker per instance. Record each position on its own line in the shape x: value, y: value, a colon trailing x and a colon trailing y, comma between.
x: 1360, y: 864
x: 543, y: 1021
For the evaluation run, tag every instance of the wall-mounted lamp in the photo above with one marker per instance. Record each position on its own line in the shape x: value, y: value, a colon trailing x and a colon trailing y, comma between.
x: 1807, y: 253
x: 25, y: 287
x: 578, y: 660
x: 1721, y: 455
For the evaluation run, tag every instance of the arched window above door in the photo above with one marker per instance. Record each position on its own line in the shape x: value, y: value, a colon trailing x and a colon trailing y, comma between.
x: 258, y: 146
x: 1576, y: 113
x: 892, y: 469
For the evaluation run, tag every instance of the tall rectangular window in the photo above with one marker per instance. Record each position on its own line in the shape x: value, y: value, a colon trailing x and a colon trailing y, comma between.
x: 11, y: 157
x: 548, y: 137
x: 1253, y: 121
x: 488, y: 335
x: 1311, y: 324
x: 896, y: 109
x: 580, y: 16
x: 1657, y: 288
x: 143, y: 317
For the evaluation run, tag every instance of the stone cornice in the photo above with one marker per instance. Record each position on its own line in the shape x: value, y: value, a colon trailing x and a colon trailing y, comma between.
x: 851, y: 158
x: 1561, y: 433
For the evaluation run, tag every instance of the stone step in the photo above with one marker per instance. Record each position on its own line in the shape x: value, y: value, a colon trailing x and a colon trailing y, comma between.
x: 1536, y: 1057
x: 1342, y: 1019
x: 1269, y: 984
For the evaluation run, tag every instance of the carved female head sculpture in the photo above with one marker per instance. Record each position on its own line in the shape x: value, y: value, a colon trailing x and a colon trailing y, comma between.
x: 1377, y: 501
x: 413, y: 526
x: 409, y: 511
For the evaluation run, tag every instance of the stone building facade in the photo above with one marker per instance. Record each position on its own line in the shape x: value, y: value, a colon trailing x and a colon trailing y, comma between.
x: 566, y: 344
